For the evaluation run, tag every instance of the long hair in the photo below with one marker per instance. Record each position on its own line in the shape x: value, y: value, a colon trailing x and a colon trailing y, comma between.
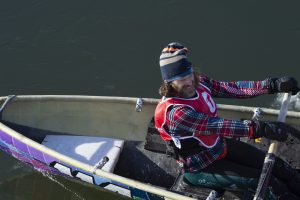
x: 167, y: 90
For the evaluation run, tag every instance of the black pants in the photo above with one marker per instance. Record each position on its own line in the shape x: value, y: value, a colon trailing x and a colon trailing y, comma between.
x: 241, y: 169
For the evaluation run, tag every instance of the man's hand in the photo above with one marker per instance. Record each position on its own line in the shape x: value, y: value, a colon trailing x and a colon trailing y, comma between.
x: 284, y: 84
x: 271, y: 130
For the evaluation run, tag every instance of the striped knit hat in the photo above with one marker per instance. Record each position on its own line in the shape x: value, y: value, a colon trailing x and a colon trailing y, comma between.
x: 173, y: 62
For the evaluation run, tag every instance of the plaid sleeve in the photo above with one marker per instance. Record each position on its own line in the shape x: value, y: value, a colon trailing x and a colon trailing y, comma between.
x: 236, y: 89
x: 184, y: 119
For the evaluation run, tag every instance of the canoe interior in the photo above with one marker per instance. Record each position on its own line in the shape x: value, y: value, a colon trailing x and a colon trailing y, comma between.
x: 77, y: 116
x: 114, y: 117
x: 36, y: 117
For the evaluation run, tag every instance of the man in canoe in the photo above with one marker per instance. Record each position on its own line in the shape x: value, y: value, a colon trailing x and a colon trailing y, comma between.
x: 186, y: 118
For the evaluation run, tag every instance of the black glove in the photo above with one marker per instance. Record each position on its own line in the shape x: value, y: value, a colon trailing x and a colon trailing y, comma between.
x: 284, y: 84
x: 271, y: 130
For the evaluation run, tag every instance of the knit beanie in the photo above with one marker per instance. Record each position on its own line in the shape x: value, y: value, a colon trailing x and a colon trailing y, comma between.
x: 173, y: 62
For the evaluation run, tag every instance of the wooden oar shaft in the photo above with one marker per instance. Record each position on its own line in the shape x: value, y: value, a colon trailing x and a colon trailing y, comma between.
x: 270, y: 157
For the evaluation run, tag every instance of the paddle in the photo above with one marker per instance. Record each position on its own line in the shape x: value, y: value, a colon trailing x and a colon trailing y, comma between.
x: 270, y: 156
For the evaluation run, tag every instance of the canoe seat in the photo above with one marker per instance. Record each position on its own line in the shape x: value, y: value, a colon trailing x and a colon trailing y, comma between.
x: 99, y: 152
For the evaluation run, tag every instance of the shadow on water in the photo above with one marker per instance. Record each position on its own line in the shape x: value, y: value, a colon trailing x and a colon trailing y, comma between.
x: 36, y: 186
x: 11, y: 169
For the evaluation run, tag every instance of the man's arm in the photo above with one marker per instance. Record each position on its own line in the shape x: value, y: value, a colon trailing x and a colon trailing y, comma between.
x: 184, y: 119
x: 236, y: 89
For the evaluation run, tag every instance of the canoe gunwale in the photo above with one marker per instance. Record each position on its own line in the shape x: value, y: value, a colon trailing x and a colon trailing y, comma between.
x: 80, y: 98
x: 132, y: 100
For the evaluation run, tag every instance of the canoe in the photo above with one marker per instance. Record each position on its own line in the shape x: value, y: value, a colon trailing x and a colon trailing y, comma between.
x: 101, y: 140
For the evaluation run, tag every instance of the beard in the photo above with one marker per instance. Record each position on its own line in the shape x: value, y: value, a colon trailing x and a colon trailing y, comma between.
x: 187, y: 91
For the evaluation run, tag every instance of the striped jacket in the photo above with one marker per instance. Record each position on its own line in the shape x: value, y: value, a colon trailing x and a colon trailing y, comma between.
x: 182, y: 118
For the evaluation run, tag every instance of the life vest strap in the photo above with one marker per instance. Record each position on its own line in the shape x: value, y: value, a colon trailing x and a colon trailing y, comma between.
x: 155, y: 143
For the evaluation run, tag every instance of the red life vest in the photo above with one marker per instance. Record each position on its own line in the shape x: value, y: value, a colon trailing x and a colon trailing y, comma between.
x: 201, y: 103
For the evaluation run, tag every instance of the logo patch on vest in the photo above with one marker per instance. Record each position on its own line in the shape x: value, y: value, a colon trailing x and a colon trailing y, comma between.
x: 210, y: 103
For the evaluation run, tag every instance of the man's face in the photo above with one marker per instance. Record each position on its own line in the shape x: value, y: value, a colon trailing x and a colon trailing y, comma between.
x: 185, y: 87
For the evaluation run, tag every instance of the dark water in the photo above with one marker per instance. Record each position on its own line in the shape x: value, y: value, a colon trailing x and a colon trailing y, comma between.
x: 111, y: 48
